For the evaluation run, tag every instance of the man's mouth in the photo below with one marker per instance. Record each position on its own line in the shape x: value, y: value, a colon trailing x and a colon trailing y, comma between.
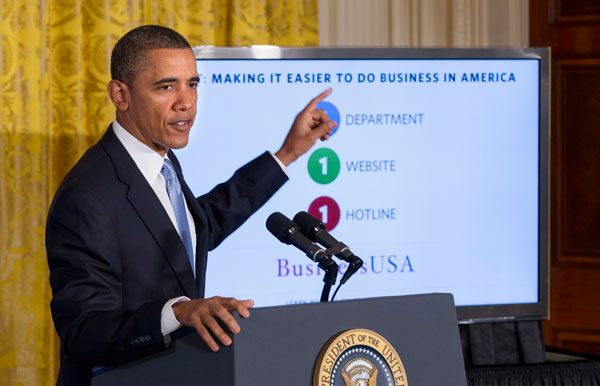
x: 182, y: 125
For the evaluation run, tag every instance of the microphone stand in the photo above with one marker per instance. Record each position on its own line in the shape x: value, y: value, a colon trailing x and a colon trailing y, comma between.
x: 331, y: 272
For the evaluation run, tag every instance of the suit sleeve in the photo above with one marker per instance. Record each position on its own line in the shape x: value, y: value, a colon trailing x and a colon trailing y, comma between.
x: 86, y: 277
x: 229, y: 204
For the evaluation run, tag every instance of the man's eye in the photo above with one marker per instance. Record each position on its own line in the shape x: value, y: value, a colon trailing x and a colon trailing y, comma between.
x: 193, y: 84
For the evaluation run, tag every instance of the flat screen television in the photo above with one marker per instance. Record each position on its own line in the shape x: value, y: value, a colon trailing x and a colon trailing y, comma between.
x: 436, y: 175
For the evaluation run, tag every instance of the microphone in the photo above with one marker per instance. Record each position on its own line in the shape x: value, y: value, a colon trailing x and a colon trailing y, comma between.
x: 286, y: 231
x: 315, y: 231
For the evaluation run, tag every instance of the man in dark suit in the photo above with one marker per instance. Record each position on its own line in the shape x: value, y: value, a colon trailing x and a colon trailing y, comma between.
x: 126, y: 239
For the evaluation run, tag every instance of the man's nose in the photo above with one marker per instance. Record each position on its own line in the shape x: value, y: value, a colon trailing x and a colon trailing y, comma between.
x: 185, y: 100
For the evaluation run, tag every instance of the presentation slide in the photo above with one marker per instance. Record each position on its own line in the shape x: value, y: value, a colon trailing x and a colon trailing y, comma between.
x: 431, y: 176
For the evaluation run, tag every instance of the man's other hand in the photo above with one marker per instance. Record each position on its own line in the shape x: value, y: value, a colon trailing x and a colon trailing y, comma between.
x: 309, y: 125
x: 202, y: 315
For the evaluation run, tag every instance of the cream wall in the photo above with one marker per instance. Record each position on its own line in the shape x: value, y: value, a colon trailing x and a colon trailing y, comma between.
x: 424, y: 23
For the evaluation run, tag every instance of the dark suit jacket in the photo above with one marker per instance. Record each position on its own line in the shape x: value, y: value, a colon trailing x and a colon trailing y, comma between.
x: 115, y: 257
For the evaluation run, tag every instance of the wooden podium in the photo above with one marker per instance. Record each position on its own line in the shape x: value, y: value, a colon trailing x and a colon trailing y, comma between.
x: 279, y: 346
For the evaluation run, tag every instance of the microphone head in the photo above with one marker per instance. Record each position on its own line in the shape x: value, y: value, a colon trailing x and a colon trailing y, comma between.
x: 309, y: 224
x: 281, y: 227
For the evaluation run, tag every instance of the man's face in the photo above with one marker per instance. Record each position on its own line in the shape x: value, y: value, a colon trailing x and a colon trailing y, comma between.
x: 162, y: 100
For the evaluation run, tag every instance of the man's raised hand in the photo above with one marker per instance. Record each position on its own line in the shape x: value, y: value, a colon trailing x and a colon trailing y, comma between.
x: 310, y: 124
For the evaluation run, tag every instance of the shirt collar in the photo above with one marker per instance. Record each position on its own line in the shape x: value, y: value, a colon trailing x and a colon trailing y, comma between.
x: 147, y: 160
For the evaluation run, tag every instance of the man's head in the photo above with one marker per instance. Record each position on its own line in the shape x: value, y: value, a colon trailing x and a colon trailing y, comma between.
x: 129, y: 54
x: 153, y: 86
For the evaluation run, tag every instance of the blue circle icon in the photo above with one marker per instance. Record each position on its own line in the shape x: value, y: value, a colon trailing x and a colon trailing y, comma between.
x: 332, y: 113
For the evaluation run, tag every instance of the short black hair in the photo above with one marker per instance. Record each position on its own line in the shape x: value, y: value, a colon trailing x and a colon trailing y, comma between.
x: 129, y: 54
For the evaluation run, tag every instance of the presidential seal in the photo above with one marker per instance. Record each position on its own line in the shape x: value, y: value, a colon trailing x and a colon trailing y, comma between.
x: 359, y: 357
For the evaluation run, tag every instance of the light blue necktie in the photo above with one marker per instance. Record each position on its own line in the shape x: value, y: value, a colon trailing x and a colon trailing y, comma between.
x: 176, y: 198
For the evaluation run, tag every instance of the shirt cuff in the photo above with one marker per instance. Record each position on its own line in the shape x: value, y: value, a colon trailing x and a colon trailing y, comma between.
x: 283, y: 167
x: 168, y: 321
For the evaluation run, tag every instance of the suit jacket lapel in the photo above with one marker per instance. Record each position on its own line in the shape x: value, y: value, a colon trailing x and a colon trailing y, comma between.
x: 148, y: 206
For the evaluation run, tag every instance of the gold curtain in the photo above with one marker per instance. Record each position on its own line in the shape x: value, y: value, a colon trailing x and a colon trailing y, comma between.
x: 54, y: 66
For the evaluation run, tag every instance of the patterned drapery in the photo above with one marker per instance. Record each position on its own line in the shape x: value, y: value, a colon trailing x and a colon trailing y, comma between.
x: 54, y: 67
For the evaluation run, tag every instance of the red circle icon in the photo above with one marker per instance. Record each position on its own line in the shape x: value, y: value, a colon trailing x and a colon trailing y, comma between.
x: 327, y: 210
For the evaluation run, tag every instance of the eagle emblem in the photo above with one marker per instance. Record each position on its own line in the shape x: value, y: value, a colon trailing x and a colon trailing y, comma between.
x: 359, y: 372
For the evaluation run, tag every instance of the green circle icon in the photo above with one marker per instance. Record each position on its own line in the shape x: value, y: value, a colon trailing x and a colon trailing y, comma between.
x: 323, y: 166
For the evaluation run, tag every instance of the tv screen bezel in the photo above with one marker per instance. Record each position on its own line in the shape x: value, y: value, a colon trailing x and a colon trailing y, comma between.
x: 465, y: 314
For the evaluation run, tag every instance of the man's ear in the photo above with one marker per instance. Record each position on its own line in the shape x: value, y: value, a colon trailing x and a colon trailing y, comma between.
x: 119, y: 94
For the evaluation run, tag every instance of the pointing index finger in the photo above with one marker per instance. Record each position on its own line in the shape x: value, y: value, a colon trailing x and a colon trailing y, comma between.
x: 313, y: 103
